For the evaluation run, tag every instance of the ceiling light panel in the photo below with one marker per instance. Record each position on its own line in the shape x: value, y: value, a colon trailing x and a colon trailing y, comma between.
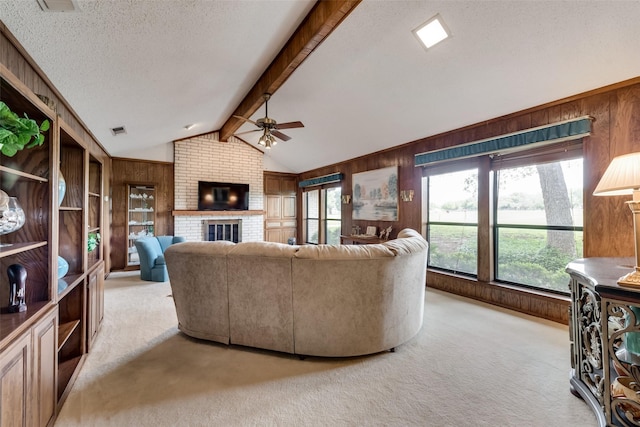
x: 58, y: 5
x: 432, y: 32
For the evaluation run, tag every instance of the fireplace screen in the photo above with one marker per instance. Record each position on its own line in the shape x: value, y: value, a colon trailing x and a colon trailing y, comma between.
x: 230, y: 230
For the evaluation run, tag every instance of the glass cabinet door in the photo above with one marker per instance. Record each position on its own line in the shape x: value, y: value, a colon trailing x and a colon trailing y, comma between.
x: 141, y: 218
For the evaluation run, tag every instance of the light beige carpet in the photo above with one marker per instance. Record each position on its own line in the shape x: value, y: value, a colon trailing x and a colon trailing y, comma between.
x: 471, y: 365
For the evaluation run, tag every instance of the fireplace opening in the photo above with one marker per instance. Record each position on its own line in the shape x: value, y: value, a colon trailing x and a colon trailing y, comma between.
x: 230, y: 230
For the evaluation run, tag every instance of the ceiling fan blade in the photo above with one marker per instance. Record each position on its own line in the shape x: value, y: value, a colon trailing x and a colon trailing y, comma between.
x: 280, y: 135
x: 246, y: 120
x: 247, y: 131
x: 289, y: 125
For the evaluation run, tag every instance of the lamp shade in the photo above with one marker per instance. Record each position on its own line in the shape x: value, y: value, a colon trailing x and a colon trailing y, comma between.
x: 621, y: 177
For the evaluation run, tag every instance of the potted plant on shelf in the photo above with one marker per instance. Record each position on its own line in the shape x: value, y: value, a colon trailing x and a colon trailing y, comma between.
x: 92, y: 241
x: 17, y: 133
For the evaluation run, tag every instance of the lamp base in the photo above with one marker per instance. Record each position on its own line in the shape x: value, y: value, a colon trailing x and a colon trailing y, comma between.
x: 631, y: 279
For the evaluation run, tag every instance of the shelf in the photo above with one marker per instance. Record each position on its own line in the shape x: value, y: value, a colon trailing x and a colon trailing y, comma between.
x: 16, y: 248
x: 140, y: 237
x: 22, y: 174
x: 215, y: 213
x: 67, y: 208
x: 67, y: 370
x: 72, y: 281
x: 93, y: 194
x: 141, y: 210
x: 11, y: 323
x: 64, y: 332
x: 141, y: 225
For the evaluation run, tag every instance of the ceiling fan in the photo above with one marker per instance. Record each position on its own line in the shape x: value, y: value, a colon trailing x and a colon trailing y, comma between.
x: 269, y: 127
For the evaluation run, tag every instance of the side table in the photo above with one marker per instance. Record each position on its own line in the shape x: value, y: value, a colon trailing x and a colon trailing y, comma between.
x: 604, y: 331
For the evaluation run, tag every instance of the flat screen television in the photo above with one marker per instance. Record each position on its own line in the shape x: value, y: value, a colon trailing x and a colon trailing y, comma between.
x: 222, y: 196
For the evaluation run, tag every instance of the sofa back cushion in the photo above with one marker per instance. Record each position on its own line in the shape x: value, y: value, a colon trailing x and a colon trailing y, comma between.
x: 336, y: 252
x: 409, y: 241
x: 198, y: 273
x: 260, y: 304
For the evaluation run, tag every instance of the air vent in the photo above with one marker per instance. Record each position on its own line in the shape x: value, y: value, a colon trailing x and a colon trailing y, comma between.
x: 118, y: 130
x: 58, y: 5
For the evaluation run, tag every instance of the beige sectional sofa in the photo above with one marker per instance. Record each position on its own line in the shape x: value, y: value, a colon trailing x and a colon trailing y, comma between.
x: 321, y: 300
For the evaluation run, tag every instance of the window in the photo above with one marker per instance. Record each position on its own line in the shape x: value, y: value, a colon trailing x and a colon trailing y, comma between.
x: 333, y: 215
x: 452, y: 221
x: 323, y: 215
x: 538, y: 222
x: 514, y: 217
x: 312, y: 216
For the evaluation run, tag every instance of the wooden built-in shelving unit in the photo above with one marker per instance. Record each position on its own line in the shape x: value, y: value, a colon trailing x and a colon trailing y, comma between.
x: 42, y: 348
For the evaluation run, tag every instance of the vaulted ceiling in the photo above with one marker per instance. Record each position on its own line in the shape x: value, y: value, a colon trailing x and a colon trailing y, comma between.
x: 158, y: 66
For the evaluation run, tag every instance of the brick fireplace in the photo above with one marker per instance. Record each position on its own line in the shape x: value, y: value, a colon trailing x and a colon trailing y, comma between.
x: 204, y: 158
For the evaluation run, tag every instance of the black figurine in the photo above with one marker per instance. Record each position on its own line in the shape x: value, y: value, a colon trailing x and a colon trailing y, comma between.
x: 17, y: 282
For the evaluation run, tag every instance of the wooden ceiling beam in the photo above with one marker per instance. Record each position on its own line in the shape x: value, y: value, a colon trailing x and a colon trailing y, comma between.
x: 324, y: 17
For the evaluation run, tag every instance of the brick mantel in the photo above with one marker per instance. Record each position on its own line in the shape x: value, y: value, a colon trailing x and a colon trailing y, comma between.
x: 216, y: 213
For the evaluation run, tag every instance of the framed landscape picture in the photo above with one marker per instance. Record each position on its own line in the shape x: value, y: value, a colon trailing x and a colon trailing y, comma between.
x: 375, y: 194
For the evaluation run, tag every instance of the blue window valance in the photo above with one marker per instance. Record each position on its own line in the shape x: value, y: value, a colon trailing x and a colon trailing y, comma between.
x: 335, y: 177
x: 530, y: 138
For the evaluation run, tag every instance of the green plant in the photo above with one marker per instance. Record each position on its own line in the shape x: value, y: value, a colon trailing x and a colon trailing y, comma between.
x: 92, y: 241
x: 17, y: 133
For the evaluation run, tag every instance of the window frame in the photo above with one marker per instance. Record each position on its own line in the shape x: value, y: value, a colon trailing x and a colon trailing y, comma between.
x: 326, y: 220
x: 450, y: 167
x: 571, y: 150
x: 321, y: 218
x: 307, y: 217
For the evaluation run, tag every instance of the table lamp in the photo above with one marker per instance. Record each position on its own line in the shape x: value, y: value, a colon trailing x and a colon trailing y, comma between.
x: 623, y: 177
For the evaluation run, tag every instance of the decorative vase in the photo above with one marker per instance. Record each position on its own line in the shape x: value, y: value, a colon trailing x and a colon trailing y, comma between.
x: 62, y: 187
x: 62, y: 285
x: 11, y: 216
x: 63, y: 267
x: 17, y: 282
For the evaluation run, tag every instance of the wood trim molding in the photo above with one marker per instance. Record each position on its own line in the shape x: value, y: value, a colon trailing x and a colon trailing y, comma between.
x: 532, y: 302
x: 126, y: 159
x: 318, y: 24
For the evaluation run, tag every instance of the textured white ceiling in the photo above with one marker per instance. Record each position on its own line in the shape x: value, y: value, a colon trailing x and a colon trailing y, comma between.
x: 156, y: 66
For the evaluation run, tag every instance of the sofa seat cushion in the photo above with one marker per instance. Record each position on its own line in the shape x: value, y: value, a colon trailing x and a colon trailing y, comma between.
x: 159, y: 260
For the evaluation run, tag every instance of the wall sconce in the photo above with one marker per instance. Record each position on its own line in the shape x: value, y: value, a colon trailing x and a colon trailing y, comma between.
x: 406, y: 195
x: 346, y: 199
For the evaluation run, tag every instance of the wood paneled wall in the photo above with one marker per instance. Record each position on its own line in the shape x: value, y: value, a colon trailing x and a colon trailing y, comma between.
x: 608, y: 228
x: 15, y: 59
x: 141, y: 172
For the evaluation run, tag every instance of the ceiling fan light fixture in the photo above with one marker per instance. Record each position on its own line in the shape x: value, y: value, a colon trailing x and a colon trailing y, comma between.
x: 264, y: 138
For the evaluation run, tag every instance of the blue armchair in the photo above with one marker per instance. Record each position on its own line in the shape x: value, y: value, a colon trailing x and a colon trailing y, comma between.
x: 151, y: 253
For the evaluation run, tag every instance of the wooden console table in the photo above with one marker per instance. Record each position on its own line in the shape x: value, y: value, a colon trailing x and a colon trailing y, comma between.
x: 356, y: 240
x: 604, y: 326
